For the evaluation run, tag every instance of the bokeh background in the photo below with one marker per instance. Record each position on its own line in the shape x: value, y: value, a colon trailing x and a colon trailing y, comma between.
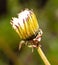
x: 47, y: 14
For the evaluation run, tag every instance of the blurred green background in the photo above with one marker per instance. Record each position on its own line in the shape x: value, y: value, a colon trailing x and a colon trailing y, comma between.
x: 47, y: 14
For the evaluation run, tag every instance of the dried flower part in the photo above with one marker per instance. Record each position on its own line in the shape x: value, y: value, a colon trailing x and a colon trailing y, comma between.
x: 25, y: 24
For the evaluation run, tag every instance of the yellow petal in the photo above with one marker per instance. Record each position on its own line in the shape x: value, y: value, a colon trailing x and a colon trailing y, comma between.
x: 26, y: 28
x: 34, y: 21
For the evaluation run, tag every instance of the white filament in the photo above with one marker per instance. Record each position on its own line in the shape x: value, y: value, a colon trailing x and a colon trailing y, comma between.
x: 21, y: 16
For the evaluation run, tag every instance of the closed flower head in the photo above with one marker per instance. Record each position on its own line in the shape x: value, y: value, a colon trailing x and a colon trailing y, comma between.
x: 25, y: 24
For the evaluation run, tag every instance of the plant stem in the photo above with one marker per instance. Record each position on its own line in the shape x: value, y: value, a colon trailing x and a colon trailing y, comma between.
x: 45, y: 60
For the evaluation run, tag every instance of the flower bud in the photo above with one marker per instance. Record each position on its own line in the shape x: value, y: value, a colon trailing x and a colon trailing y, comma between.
x: 25, y: 24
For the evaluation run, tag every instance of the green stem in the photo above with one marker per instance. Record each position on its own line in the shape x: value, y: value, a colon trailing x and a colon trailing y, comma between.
x: 45, y: 60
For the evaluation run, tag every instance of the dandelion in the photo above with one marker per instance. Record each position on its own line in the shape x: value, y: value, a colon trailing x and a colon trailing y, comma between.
x: 26, y: 25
